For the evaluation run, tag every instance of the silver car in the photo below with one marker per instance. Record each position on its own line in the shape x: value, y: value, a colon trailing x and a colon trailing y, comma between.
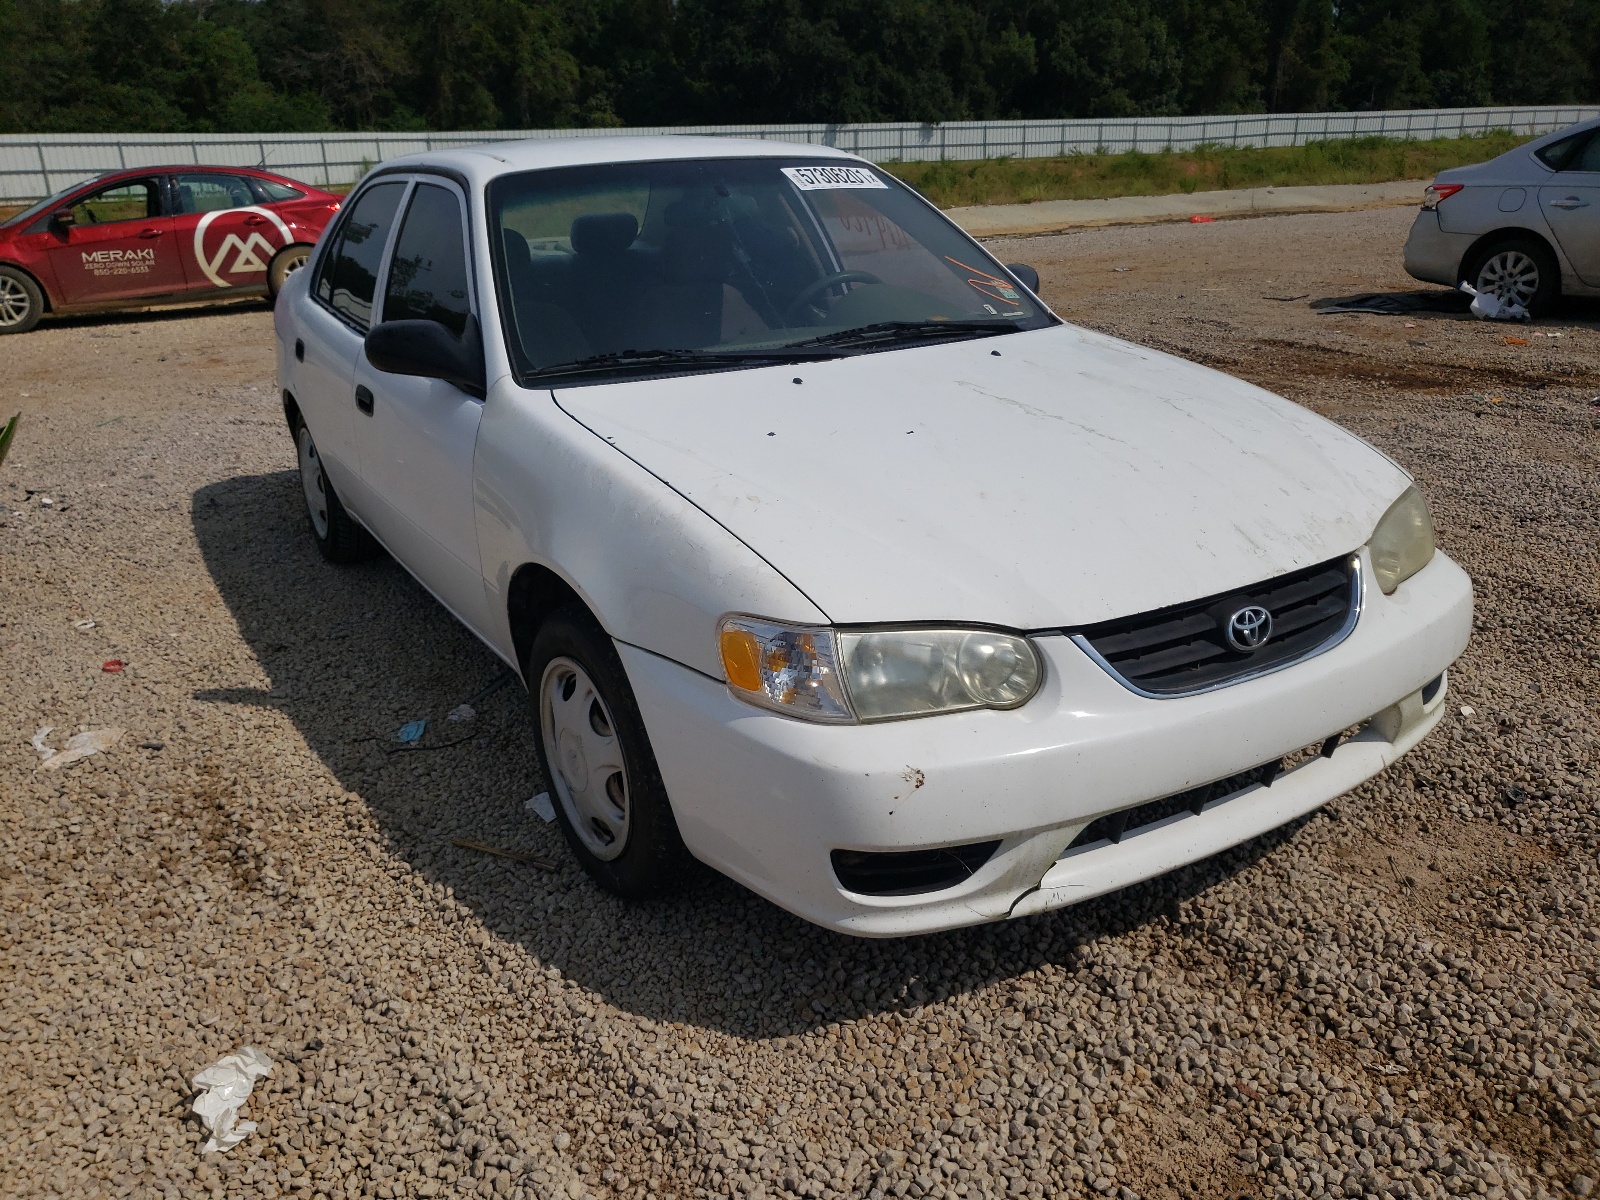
x: 1524, y: 226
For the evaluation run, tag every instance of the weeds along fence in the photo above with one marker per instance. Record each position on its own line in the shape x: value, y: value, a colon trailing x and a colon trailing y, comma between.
x: 37, y: 165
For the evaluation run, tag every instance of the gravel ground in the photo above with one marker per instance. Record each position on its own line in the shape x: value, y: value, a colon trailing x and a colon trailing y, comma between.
x: 1394, y: 997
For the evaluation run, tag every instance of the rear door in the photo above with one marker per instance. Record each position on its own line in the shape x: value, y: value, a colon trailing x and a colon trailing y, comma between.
x: 226, y: 237
x: 121, y: 245
x: 1571, y: 204
x: 330, y: 330
x: 417, y: 446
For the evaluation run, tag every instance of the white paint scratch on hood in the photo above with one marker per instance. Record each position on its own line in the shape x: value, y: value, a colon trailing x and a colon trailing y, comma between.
x: 1071, y: 479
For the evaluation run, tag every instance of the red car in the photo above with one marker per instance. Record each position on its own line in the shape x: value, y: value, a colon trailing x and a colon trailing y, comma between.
x: 157, y: 235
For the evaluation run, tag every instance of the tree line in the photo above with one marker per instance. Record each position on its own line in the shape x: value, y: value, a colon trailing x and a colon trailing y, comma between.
x: 286, y: 65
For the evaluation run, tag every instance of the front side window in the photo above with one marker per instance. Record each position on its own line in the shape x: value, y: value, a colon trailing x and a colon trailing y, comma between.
x: 1589, y: 158
x: 732, y: 260
x: 138, y: 200
x: 348, y: 276
x: 428, y: 271
x: 208, y: 191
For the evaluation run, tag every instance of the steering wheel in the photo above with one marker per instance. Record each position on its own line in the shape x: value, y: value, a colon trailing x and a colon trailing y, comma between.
x: 816, y: 289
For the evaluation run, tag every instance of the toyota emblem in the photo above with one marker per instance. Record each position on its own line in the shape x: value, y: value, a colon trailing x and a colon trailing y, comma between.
x: 1249, y: 628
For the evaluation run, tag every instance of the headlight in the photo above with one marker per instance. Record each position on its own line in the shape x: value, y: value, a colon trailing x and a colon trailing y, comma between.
x: 882, y: 675
x: 1403, y: 542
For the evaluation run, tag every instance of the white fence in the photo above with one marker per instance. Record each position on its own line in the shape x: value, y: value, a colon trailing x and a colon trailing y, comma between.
x: 35, y: 165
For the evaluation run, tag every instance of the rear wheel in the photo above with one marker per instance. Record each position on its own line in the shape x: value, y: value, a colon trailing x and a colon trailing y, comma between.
x: 338, y: 537
x: 1520, y: 269
x: 21, y: 301
x: 284, y: 264
x: 596, y: 760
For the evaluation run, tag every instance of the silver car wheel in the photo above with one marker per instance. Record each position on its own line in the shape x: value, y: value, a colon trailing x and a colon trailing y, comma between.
x: 313, y: 481
x: 587, y: 770
x: 1509, y: 275
x: 15, y: 304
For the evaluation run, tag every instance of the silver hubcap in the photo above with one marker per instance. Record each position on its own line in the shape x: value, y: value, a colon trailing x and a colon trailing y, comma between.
x: 585, y: 757
x: 294, y: 262
x: 314, y: 483
x: 14, y: 303
x: 1510, y: 275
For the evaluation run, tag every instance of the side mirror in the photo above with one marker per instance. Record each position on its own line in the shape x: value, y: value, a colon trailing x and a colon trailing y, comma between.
x: 62, y: 218
x: 428, y: 349
x: 1026, y: 274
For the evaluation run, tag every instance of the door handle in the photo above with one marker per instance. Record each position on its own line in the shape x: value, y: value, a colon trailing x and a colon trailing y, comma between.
x: 364, y: 400
x: 299, y: 350
x: 255, y: 220
x: 149, y: 233
x: 1569, y: 202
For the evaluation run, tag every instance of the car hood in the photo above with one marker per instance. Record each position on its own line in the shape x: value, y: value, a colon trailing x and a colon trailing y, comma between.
x: 1052, y: 478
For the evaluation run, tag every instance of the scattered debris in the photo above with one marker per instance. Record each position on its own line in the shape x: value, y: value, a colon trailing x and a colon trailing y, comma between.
x: 46, y: 502
x: 1287, y: 299
x: 79, y: 746
x: 224, y: 1086
x: 539, y: 803
x: 1512, y: 341
x: 1122, y: 270
x: 1411, y: 324
x: 412, y: 731
x: 1197, y: 219
x: 152, y: 745
x: 7, y: 432
x: 543, y: 864
x: 83, y: 626
x: 1488, y: 307
x: 1467, y: 710
x: 38, y: 743
x: 462, y: 712
x: 112, y: 666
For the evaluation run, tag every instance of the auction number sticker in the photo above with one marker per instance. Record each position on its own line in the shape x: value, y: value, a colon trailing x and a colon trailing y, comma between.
x: 822, y: 179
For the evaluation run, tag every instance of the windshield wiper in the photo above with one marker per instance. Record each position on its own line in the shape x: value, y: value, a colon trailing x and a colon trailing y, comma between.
x: 628, y: 360
x: 896, y: 331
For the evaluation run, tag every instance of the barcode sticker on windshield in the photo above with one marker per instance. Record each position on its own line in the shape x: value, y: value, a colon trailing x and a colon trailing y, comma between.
x: 818, y: 179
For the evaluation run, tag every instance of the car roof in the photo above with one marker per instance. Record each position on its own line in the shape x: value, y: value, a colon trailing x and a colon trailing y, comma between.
x: 491, y: 159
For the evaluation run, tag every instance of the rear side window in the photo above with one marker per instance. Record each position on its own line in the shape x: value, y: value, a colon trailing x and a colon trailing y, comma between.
x: 428, y: 273
x: 348, y: 277
x: 1566, y: 154
x: 276, y: 193
x: 208, y: 192
x: 1589, y: 160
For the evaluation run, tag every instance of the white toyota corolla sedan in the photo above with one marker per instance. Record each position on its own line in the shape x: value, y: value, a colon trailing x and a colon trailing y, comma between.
x: 832, y: 558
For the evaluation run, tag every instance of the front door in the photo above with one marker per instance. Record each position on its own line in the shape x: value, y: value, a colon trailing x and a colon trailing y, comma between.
x: 225, y: 238
x: 1571, y: 204
x: 417, y: 447
x: 120, y: 245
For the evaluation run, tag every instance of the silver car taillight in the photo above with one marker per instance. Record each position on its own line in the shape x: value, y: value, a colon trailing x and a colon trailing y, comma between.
x: 1439, y: 191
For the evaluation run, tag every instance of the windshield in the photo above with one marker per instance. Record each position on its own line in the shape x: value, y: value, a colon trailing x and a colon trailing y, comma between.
x: 33, y: 210
x: 628, y: 267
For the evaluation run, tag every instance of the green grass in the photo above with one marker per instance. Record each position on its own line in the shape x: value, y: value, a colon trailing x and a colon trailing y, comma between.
x: 1210, y: 168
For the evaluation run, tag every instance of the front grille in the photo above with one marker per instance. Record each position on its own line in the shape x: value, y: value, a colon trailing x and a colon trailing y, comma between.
x: 909, y: 872
x: 1113, y: 826
x: 1182, y: 649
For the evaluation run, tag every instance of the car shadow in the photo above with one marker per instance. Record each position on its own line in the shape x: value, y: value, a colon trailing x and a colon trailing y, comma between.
x: 153, y: 316
x: 1441, y: 302
x: 355, y: 652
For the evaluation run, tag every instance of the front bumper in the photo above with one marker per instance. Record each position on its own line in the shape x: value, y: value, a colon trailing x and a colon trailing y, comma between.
x: 1431, y: 254
x: 765, y: 798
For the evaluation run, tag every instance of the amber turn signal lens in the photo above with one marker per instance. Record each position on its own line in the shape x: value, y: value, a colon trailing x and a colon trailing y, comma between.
x: 741, y: 659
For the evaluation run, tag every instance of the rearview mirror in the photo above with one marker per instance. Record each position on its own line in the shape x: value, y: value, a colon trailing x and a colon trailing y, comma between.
x: 428, y: 349
x: 1026, y: 274
x: 62, y: 218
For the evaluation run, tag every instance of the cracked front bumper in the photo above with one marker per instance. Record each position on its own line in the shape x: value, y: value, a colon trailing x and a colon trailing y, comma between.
x: 765, y: 799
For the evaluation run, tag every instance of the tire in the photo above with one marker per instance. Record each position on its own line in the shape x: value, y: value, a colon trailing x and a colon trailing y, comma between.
x: 588, y: 729
x: 1516, y: 268
x: 339, y: 539
x: 284, y: 264
x: 21, y: 301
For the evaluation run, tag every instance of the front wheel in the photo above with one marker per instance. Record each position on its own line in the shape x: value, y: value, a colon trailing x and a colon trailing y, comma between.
x: 21, y: 301
x: 596, y: 760
x: 284, y: 264
x: 339, y: 539
x: 1519, y: 269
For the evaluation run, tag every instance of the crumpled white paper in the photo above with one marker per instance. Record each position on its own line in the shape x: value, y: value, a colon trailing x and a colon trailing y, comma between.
x: 1488, y: 307
x: 79, y: 745
x: 224, y: 1086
